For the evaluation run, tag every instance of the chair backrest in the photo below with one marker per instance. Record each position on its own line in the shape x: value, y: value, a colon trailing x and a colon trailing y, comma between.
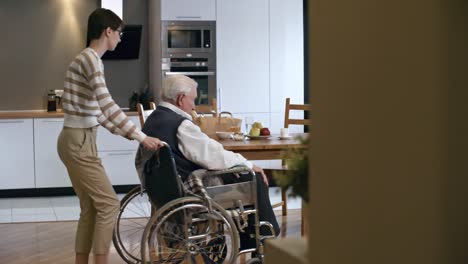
x: 291, y: 121
x: 143, y: 114
x: 208, y: 109
x: 162, y: 182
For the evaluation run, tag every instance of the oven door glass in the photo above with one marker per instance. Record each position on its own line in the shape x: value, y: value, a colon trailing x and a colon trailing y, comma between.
x: 206, y: 89
x: 184, y: 39
x: 202, y: 89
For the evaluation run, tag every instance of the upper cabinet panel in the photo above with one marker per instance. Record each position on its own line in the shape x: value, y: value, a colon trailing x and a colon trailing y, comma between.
x: 242, y: 55
x: 286, y: 54
x: 188, y: 9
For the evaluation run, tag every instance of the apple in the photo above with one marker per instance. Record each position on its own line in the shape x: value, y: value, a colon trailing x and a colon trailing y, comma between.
x: 264, y: 131
x: 257, y: 125
x: 255, y: 132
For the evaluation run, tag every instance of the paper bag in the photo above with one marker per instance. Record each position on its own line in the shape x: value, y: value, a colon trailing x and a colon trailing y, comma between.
x: 212, y: 124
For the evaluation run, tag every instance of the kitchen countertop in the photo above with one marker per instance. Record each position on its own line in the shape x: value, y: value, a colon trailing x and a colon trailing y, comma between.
x: 40, y: 114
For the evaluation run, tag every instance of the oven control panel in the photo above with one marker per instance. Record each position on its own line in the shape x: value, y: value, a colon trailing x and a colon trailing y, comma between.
x: 185, y: 64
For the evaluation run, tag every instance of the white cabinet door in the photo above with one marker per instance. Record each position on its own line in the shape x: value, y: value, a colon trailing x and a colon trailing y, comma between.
x: 188, y: 9
x: 286, y: 54
x: 16, y: 154
x: 118, y: 155
x: 120, y: 167
x: 50, y: 171
x: 106, y: 141
x: 243, y: 56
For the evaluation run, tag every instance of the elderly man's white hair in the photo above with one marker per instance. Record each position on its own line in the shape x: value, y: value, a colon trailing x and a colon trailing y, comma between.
x: 175, y: 85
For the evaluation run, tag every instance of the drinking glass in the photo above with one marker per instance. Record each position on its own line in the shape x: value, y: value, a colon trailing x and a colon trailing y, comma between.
x: 249, y: 120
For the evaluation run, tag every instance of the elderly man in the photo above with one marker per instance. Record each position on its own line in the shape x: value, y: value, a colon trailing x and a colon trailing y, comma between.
x: 171, y: 122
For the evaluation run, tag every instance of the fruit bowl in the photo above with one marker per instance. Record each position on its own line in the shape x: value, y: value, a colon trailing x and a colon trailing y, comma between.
x: 224, y: 135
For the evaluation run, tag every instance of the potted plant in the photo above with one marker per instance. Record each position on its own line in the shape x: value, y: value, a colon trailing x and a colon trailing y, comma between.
x: 295, y: 177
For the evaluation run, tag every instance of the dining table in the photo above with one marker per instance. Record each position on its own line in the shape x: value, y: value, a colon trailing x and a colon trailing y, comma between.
x: 265, y: 148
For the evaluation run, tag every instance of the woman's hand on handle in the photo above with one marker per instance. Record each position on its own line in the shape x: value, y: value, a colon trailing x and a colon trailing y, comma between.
x: 151, y: 143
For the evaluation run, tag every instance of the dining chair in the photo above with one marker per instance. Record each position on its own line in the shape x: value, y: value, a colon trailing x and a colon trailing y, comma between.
x: 143, y: 114
x: 208, y: 109
x: 293, y: 121
x: 288, y: 121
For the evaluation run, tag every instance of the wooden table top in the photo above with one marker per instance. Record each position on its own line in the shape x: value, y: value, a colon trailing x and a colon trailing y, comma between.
x: 272, y: 143
x: 264, y: 149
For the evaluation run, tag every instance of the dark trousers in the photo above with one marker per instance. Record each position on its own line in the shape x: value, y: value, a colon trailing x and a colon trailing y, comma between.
x: 264, y: 210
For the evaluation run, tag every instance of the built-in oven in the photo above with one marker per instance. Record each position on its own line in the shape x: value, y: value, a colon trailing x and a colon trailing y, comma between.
x: 200, y: 69
x: 188, y: 37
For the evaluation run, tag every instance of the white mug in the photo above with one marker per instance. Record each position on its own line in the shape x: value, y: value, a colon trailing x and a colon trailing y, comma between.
x: 284, y: 132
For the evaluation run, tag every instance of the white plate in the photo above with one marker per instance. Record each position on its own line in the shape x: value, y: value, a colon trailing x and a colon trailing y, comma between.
x: 258, y: 137
x: 288, y: 137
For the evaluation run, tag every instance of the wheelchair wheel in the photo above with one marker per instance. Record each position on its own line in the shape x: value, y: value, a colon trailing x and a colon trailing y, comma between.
x: 135, y: 211
x: 184, y: 231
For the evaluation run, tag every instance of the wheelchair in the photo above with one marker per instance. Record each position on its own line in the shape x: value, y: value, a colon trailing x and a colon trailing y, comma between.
x: 191, y: 228
x: 135, y: 211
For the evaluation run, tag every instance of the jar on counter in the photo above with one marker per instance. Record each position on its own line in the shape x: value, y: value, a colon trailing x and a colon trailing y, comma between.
x: 51, y: 101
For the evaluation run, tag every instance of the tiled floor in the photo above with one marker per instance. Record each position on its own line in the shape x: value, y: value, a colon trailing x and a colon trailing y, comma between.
x: 66, y: 208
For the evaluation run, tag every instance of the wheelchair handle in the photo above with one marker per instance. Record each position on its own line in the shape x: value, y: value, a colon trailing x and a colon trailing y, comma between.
x: 165, y: 144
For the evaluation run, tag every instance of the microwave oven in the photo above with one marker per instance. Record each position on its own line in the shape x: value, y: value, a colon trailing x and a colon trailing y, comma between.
x: 188, y: 37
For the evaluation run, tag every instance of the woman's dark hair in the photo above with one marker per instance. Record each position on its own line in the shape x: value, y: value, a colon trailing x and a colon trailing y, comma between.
x: 101, y: 19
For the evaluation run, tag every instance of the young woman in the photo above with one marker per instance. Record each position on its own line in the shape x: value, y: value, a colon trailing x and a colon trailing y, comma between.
x: 87, y: 104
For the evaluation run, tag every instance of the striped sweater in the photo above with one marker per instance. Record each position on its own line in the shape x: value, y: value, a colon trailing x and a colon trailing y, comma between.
x: 87, y: 102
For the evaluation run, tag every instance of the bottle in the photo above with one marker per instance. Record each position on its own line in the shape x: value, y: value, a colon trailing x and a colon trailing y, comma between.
x: 51, y: 101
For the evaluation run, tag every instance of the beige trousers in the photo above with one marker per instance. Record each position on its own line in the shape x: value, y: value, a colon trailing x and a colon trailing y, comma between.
x: 98, y: 202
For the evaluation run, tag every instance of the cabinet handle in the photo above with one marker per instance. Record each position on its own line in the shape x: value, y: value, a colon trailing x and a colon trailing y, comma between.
x: 11, y: 121
x: 120, y: 154
x: 189, y: 17
x: 52, y: 121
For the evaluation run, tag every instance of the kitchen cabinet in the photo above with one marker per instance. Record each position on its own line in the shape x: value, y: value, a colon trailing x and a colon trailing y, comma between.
x: 118, y: 155
x: 106, y: 141
x: 120, y: 166
x: 286, y: 59
x: 49, y: 169
x: 16, y: 154
x: 286, y: 53
x: 243, y: 56
x: 188, y: 9
x: 260, y: 57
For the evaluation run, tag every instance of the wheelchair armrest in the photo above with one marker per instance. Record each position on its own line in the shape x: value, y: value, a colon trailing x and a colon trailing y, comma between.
x: 235, y: 169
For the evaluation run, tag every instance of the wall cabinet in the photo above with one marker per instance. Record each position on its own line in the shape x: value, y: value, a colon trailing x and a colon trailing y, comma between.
x: 286, y: 59
x: 16, y: 154
x: 243, y: 56
x: 260, y: 58
x: 188, y: 9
